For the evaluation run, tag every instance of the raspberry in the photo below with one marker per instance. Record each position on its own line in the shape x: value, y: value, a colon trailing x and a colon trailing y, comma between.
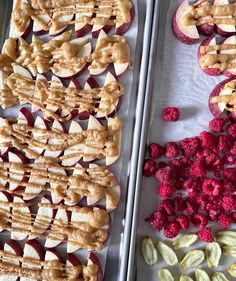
x: 233, y: 149
x: 191, y: 185
x: 183, y: 221
x: 230, y: 174
x: 179, y: 204
x: 197, y: 169
x: 166, y: 190
x: 225, y: 143
x: 208, y: 139
x: 155, y: 150
x: 228, y: 159
x: 214, y: 209
x: 205, y: 234
x: 170, y: 114
x: 217, y: 124
x: 162, y: 164
x: 232, y: 130
x: 164, y: 174
x: 192, y: 207
x: 190, y: 146
x: 199, y: 220
x: 229, y: 188
x: 171, y: 230
x: 149, y: 167
x: 229, y: 202
x: 172, y: 150
x: 167, y: 207
x: 225, y: 220
x: 211, y: 187
x: 212, y: 160
x: 202, y: 200
x: 158, y: 220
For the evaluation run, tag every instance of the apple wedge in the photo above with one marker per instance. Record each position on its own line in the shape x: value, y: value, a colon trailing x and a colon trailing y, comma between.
x: 41, y: 24
x: 122, y: 28
x: 74, y: 128
x: 18, y: 235
x: 33, y: 249
x: 19, y: 28
x: 81, y: 29
x: 187, y: 34
x: 93, y: 259
x: 97, y: 28
x: 230, y: 41
x: 5, y: 197
x: 25, y: 117
x: 72, y: 260
x: 52, y: 255
x: 7, y: 99
x: 14, y: 248
x: 4, y: 142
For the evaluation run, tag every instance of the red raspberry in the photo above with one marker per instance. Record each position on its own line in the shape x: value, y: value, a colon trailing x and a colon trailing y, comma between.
x: 229, y: 202
x: 171, y: 230
x: 208, y: 139
x: 200, y: 220
x: 164, y: 174
x: 155, y: 150
x: 211, y: 187
x: 228, y: 159
x: 180, y: 204
x: 205, y: 234
x: 191, y: 185
x: 230, y: 174
x: 167, y: 207
x: 183, y: 221
x: 170, y: 114
x: 225, y: 220
x: 202, y: 200
x: 229, y: 188
x: 232, y: 130
x: 149, y: 168
x: 192, y: 207
x: 225, y: 143
x: 162, y: 164
x: 158, y: 220
x: 233, y: 149
x: 197, y: 169
x: 217, y: 124
x: 214, y: 209
x: 172, y: 150
x: 166, y: 190
x: 190, y: 146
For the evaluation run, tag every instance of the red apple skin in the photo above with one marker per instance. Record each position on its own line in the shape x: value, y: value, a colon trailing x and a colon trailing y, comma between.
x: 92, y: 82
x: 96, y: 261
x: 38, y: 248
x: 16, y: 247
x: 222, y: 32
x: 209, y: 71
x: 73, y: 259
x: 83, y: 31
x: 28, y: 115
x: 56, y: 253
x: 8, y: 195
x: 28, y: 30
x: 121, y: 30
x: 106, y: 29
x: 213, y: 107
x: 206, y: 29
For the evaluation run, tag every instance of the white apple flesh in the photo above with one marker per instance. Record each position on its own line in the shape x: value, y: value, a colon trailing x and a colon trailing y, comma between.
x: 5, y: 197
x: 81, y: 29
x: 230, y: 41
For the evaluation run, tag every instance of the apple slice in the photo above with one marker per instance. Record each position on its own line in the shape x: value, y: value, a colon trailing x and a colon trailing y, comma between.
x: 7, y: 99
x: 230, y: 41
x: 14, y: 248
x: 20, y: 70
x: 17, y: 157
x: 81, y: 29
x: 98, y: 27
x: 208, y: 70
x: 187, y: 34
x: 37, y: 94
x: 72, y: 260
x: 75, y: 128
x: 60, y: 22
x: 5, y: 197
x: 57, y: 127
x: 41, y: 24
x: 15, y: 31
x: 85, y: 49
x: 15, y: 234
x: 25, y: 117
x: 122, y: 28
x: 92, y: 200
x: 4, y: 142
x: 62, y: 216
x: 52, y: 255
x: 91, y: 149
x: 93, y: 259
x: 33, y: 249
x: 224, y: 29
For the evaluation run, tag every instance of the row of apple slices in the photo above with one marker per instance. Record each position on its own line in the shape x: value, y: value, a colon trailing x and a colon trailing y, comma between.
x: 84, y: 50
x: 13, y: 254
x: 21, y: 179
x: 81, y: 29
x: 87, y: 149
x: 56, y: 223
x: 190, y: 34
x: 229, y: 56
x: 11, y: 94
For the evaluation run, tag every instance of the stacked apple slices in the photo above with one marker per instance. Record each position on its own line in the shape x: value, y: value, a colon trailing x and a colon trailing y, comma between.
x: 84, y: 15
x: 34, y: 263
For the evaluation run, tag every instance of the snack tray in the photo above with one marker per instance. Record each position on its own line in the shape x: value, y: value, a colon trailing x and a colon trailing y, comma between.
x: 115, y: 254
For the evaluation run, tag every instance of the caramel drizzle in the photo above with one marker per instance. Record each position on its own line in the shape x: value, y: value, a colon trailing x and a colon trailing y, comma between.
x: 220, y: 61
x: 229, y: 100
x: 45, y: 270
x: 104, y: 141
x: 39, y: 93
x: 95, y: 182
x: 107, y: 12
x: 90, y: 234
x: 204, y: 12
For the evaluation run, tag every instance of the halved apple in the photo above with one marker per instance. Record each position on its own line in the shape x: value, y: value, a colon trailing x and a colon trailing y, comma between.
x: 121, y: 29
x: 5, y: 197
x: 188, y: 34
x: 230, y: 41
x: 19, y: 234
x: 93, y: 259
x: 81, y: 29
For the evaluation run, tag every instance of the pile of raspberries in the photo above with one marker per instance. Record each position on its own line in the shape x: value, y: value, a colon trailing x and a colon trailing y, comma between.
x: 197, y: 180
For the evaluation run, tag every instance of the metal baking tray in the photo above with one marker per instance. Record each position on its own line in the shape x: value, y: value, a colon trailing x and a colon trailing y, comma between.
x: 115, y: 253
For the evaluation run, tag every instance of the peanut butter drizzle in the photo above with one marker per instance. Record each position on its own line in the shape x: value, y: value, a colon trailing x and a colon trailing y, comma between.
x: 219, y: 60
x: 51, y: 270
x: 203, y: 12
x: 90, y: 234
x: 105, y: 141
x: 92, y: 182
x: 21, y: 90
x: 57, y: 55
x: 118, y: 10
x: 229, y: 100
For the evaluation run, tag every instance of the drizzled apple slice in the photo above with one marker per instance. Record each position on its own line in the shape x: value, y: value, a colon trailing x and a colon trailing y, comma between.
x: 5, y: 143
x: 5, y: 197
x: 52, y: 255
x: 81, y: 29
x: 230, y: 41
x: 25, y: 117
x: 98, y: 27
x: 11, y: 247
x: 93, y: 259
x: 15, y: 216
x: 40, y: 22
x: 72, y: 260
x: 122, y: 28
